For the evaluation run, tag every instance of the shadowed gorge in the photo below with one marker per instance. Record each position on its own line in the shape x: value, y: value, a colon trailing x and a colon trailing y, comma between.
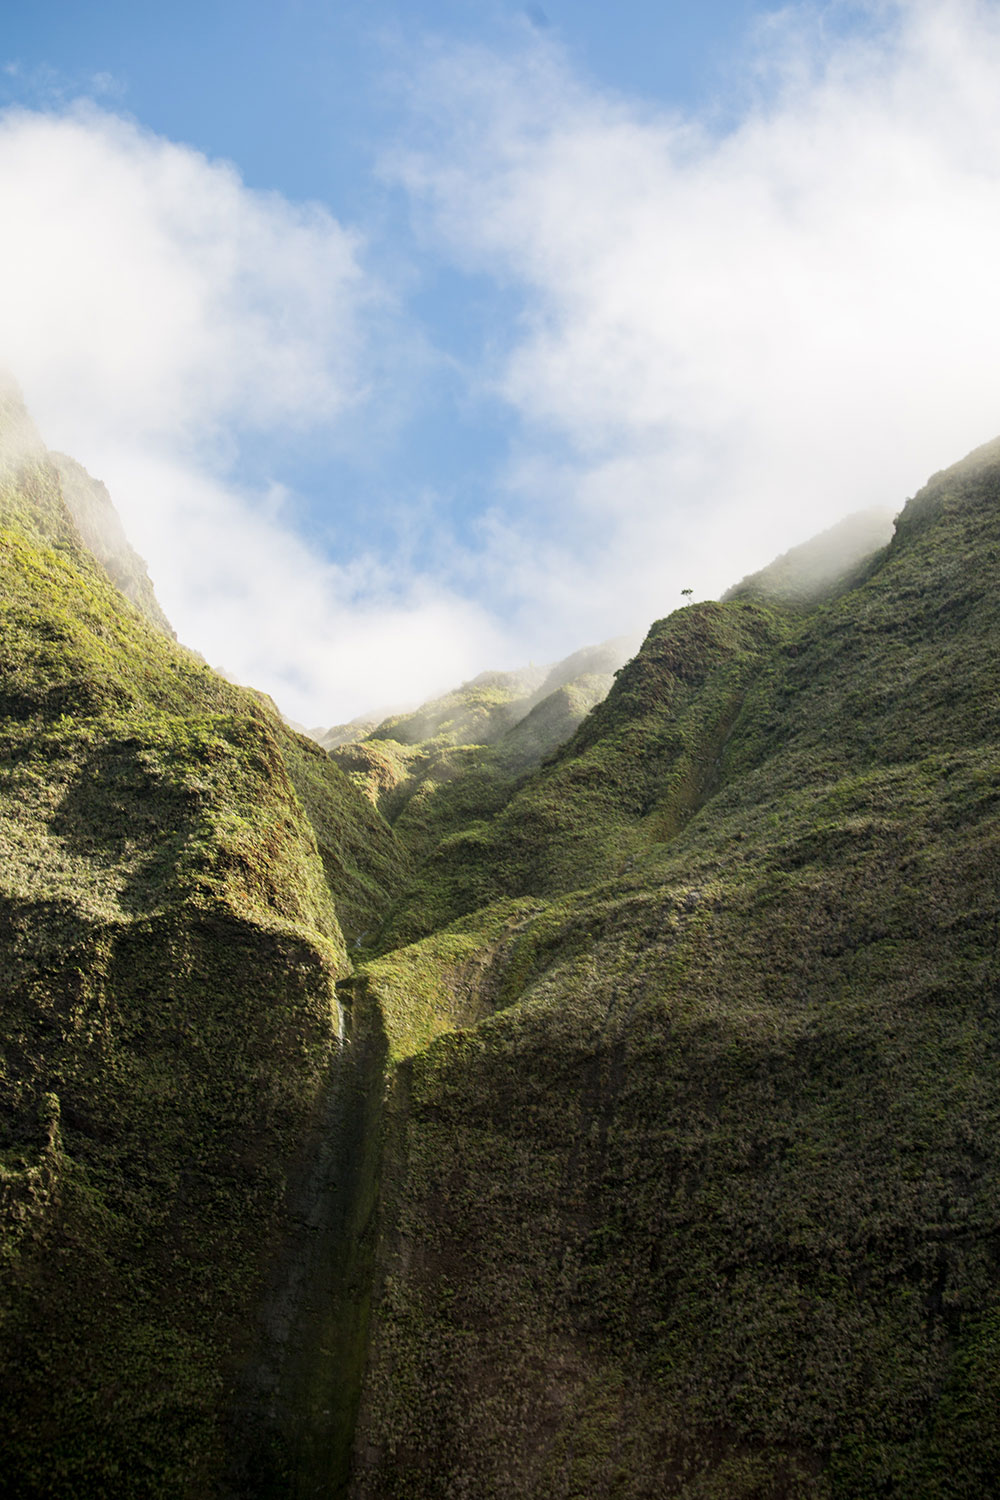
x: 585, y: 1085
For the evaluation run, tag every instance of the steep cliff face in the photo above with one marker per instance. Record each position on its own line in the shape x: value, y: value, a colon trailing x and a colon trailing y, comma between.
x: 169, y: 1025
x: 652, y: 1151
x: 692, y: 1183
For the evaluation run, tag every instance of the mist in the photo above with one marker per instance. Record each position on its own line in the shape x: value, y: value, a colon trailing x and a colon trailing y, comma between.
x: 730, y: 331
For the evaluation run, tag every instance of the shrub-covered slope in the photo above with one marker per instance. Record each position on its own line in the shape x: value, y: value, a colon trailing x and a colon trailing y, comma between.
x: 698, y: 1193
x: 459, y: 758
x: 819, y: 568
x: 663, y: 1158
x: 636, y: 768
x: 169, y: 946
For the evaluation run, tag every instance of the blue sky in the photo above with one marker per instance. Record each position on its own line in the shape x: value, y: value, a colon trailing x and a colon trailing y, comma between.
x: 416, y: 341
x: 197, y: 72
x: 305, y: 97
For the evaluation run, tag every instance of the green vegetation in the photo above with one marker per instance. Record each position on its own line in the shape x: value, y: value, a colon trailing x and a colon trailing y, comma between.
x: 171, y: 945
x: 459, y: 758
x: 102, y: 533
x: 822, y: 567
x: 636, y: 769
x: 709, y: 1205
x: 650, y: 1151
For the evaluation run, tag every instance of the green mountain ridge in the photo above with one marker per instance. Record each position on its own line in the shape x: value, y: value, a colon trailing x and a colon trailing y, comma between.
x: 822, y: 566
x: 708, y: 1206
x: 171, y: 925
x: 464, y: 754
x: 103, y: 534
x: 648, y: 1147
x: 490, y: 705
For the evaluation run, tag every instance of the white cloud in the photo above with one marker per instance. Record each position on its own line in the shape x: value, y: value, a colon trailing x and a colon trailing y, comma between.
x: 729, y: 340
x: 327, y: 640
x: 154, y: 311
x: 157, y: 289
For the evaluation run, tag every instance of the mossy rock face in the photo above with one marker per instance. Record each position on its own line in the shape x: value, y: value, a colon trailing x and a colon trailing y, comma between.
x: 170, y: 1032
x: 709, y: 1205
x: 179, y: 1059
x: 661, y: 1157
